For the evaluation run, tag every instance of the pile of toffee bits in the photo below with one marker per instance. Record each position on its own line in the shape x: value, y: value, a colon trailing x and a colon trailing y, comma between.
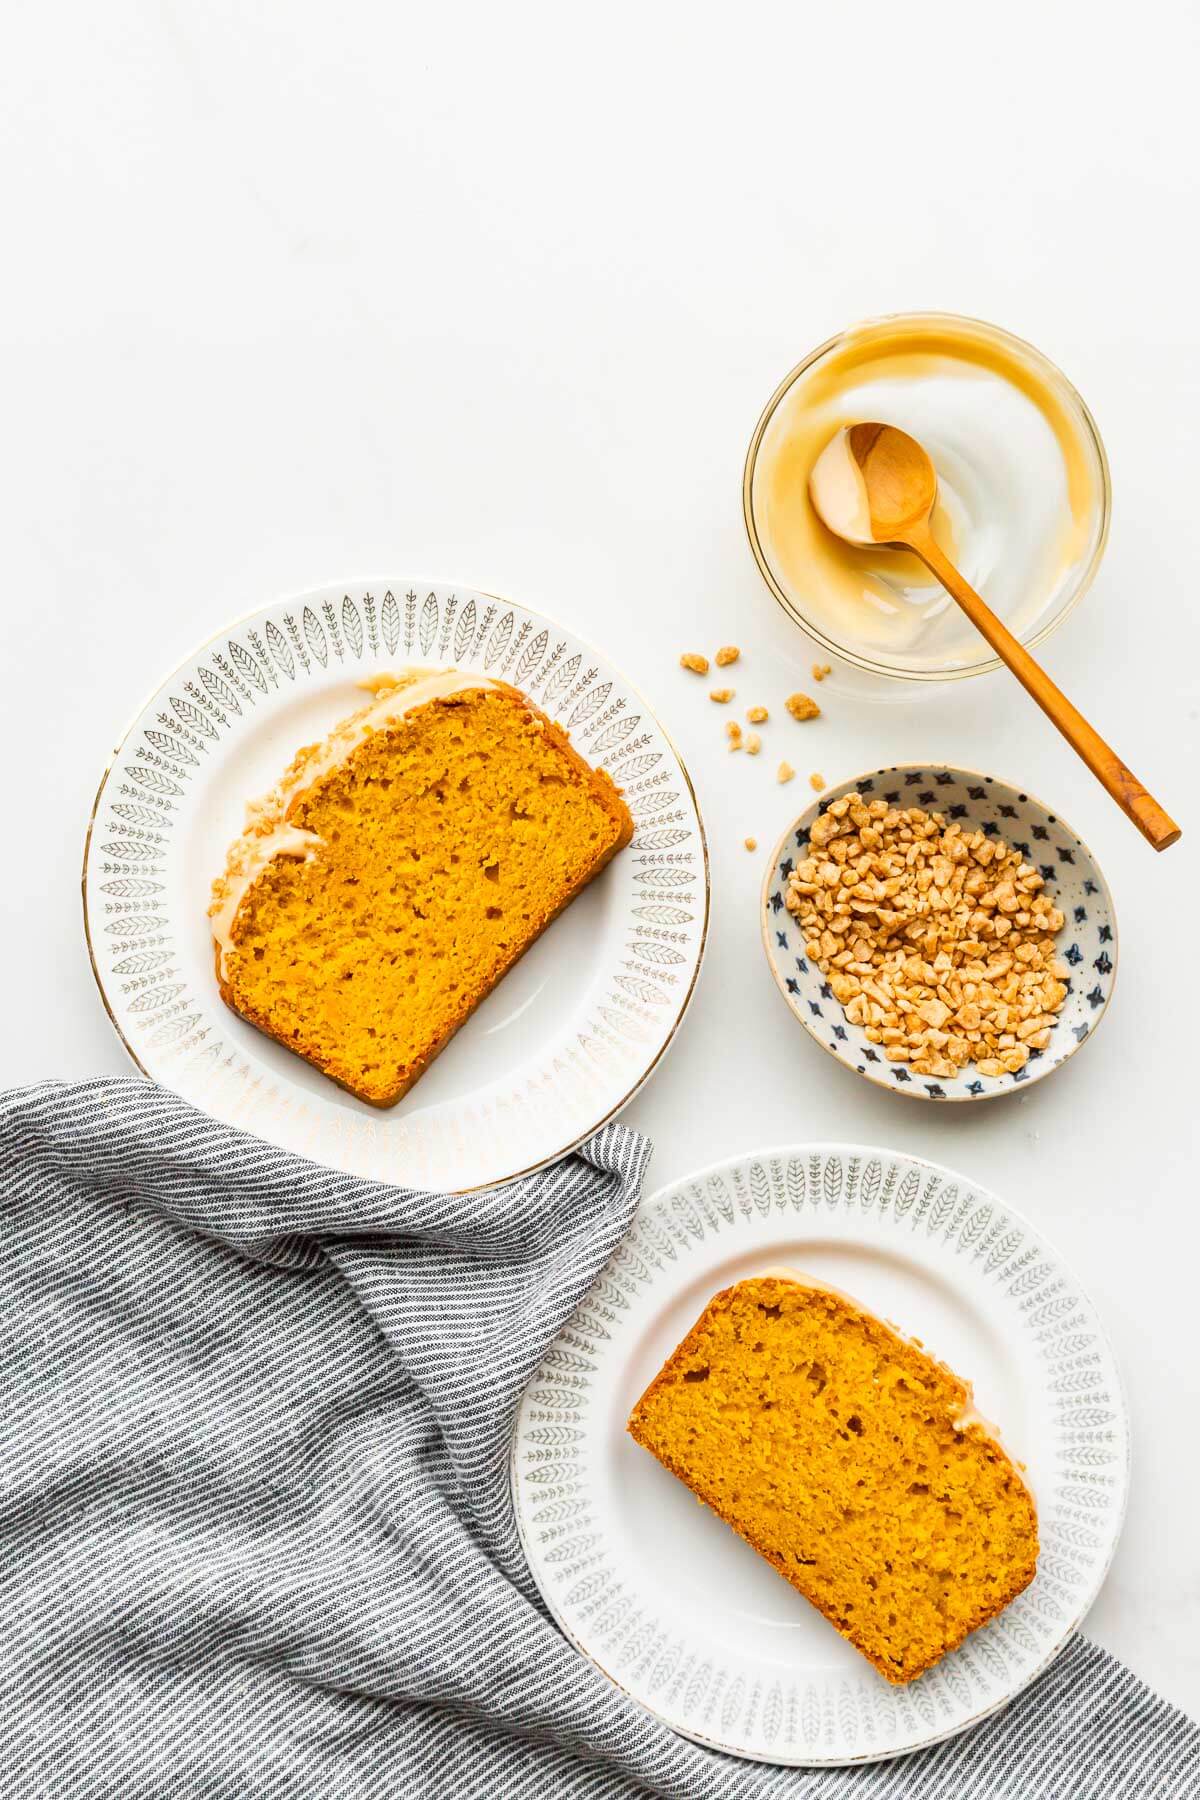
x: 938, y: 940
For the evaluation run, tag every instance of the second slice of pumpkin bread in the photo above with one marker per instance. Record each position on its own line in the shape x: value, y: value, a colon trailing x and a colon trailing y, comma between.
x: 851, y: 1460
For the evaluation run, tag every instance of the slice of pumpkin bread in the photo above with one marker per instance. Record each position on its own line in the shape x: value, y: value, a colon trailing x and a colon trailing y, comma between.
x: 400, y: 869
x: 850, y: 1459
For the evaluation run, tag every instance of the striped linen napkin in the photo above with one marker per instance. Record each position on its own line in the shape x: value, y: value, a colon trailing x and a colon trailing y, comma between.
x: 254, y: 1489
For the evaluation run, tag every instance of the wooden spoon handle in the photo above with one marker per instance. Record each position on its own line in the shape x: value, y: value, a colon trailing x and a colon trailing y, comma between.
x: 1156, y: 826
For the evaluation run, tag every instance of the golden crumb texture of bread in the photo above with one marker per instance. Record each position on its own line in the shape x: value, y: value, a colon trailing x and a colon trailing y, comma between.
x: 850, y: 1459
x: 436, y: 848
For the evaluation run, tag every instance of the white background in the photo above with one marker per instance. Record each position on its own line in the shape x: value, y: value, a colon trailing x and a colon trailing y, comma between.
x: 295, y: 293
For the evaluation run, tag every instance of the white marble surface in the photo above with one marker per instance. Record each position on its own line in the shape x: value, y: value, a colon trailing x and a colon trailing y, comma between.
x: 294, y: 293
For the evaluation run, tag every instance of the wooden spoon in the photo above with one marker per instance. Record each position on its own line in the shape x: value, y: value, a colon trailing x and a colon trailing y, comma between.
x: 873, y: 484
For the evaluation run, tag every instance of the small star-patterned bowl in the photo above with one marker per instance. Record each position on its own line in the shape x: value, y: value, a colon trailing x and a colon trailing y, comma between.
x: 1087, y: 942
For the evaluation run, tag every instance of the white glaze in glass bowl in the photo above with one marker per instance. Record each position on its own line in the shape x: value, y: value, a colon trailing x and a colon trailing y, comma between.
x: 1024, y: 496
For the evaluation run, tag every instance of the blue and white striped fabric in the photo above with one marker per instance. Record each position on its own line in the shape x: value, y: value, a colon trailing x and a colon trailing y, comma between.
x: 257, y: 1532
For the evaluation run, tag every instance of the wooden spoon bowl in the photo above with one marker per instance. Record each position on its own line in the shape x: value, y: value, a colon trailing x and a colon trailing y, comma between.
x: 874, y: 484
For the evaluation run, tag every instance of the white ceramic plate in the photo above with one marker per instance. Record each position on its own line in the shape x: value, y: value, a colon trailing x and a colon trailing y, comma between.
x: 665, y: 1599
x: 569, y: 1035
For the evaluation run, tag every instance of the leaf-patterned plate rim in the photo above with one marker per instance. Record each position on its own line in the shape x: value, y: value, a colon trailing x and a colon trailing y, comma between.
x: 355, y: 627
x: 875, y: 1200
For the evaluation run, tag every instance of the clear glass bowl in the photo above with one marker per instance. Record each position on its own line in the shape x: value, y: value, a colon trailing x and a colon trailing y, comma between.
x: 1035, y: 372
